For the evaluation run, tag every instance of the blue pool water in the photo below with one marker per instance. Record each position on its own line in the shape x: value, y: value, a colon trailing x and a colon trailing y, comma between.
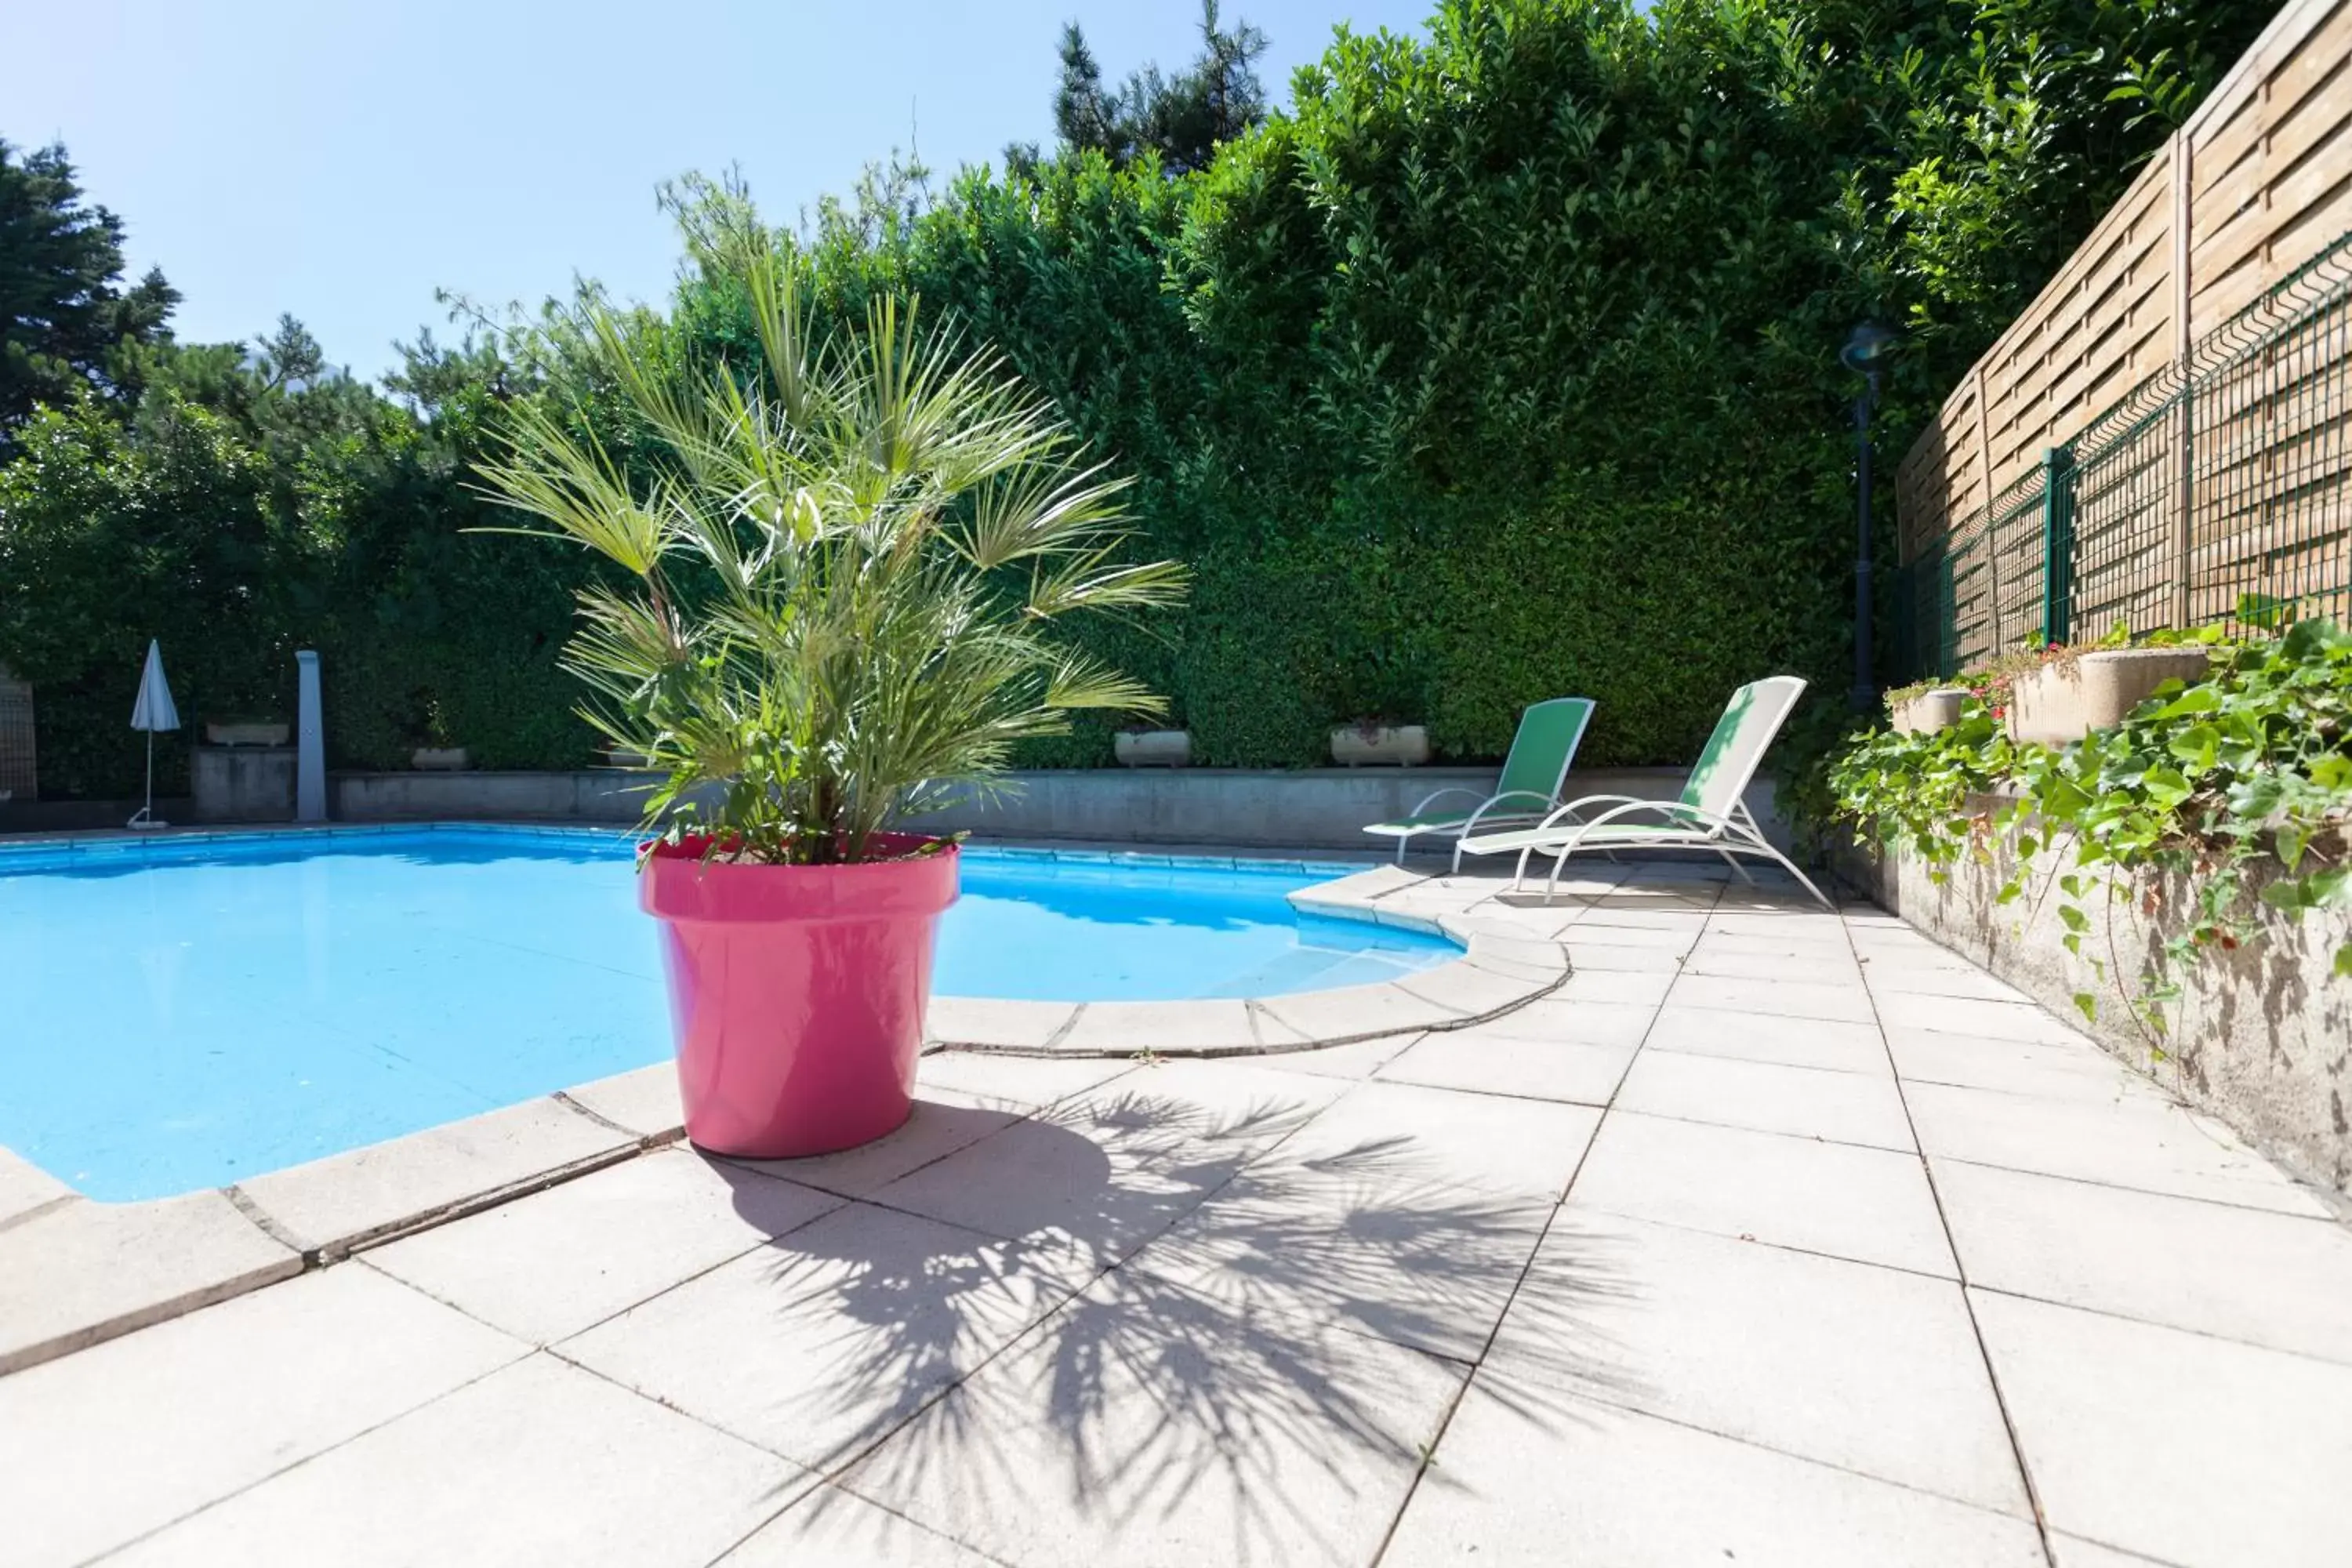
x: 186, y: 1013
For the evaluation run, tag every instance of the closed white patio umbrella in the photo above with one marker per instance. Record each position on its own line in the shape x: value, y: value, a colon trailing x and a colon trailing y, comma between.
x: 152, y: 712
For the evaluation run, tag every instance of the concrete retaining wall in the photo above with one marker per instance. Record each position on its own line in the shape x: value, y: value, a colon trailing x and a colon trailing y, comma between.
x: 2261, y: 1037
x: 1323, y: 808
x: 243, y: 783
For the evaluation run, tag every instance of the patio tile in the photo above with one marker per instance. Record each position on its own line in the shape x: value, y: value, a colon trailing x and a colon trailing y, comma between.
x: 1359, y: 886
x: 2057, y: 1072
x: 1402, y: 1212
x: 1872, y: 1205
x: 1752, y: 1036
x: 1352, y: 1012
x: 562, y: 1259
x: 1848, y: 1002
x: 82, y: 1272
x: 835, y: 1334
x: 997, y: 1022
x: 1144, y: 1425
x: 1617, y: 933
x: 1586, y: 957
x: 2024, y: 1021
x: 2138, y: 1142
x: 934, y: 1130
x: 1129, y: 1028
x: 102, y: 1447
x: 1901, y: 977
x: 346, y: 1200
x: 24, y: 1187
x: 1815, y: 945
x: 1537, y: 1069
x: 537, y: 1464
x: 2192, y: 1450
x: 1792, y: 925
x: 2272, y: 1279
x: 833, y: 1529
x: 645, y: 1101
x: 2074, y: 1552
x: 1620, y: 1025
x: 1602, y: 923
x: 1517, y: 953
x: 1523, y: 1480
x: 999, y: 1082
x: 1634, y: 987
x: 1806, y: 1102
x: 1357, y: 1058
x: 1112, y: 1168
x: 1472, y: 991
x: 1871, y: 1369
x: 1825, y: 968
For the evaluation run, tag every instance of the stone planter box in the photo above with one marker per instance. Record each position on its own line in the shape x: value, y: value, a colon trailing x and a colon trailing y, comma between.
x: 1399, y: 745
x: 258, y: 734
x: 439, y: 758
x: 1153, y: 748
x: 1929, y: 712
x: 623, y: 757
x: 2066, y: 699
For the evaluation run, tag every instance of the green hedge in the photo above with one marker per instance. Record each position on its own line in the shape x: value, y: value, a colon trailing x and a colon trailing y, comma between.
x: 1503, y: 366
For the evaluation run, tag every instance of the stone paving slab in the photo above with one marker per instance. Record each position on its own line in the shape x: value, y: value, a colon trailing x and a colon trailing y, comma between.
x: 1970, y: 1061
x: 581, y: 1252
x: 2279, y: 1280
x: 997, y: 1082
x: 1533, y: 1069
x: 344, y: 1201
x: 2202, y: 1452
x: 538, y: 1464
x: 1524, y: 1480
x: 101, y: 1449
x: 1846, y: 1001
x: 1806, y: 1102
x: 933, y: 1130
x: 1112, y: 1168
x: 832, y: 1337
x: 833, y: 1529
x: 1869, y: 1369
x: 81, y: 1273
x: 24, y: 1187
x: 1869, y: 1205
x: 1151, y: 1428
x: 993, y: 1023
x: 645, y: 1101
x: 2135, y: 1140
x: 1404, y: 1212
x: 1789, y: 1042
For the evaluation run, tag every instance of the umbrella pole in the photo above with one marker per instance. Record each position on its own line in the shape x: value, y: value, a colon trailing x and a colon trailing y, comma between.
x: 149, y: 813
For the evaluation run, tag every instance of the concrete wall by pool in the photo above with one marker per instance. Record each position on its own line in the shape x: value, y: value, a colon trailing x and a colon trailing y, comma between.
x: 1314, y: 808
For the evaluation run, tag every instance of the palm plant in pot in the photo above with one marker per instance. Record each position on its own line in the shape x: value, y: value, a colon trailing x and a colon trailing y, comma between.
x: 840, y: 582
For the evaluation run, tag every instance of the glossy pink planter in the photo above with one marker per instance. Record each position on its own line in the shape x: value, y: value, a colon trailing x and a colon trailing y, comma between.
x: 797, y: 993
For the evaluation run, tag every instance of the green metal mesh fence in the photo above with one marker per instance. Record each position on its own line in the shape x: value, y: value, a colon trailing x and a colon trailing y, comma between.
x: 2219, y: 492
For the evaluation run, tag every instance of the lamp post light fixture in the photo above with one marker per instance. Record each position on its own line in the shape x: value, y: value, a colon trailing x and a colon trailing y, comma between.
x: 1865, y: 352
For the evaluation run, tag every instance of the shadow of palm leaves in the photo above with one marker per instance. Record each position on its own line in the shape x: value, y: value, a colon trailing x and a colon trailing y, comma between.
x: 1185, y: 1318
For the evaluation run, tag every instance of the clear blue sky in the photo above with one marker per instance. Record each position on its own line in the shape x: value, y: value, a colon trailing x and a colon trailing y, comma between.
x: 342, y: 161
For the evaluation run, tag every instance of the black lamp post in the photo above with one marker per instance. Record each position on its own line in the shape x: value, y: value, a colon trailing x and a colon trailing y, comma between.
x: 1865, y: 351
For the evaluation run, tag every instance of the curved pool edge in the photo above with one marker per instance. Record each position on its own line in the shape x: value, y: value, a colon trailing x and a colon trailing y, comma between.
x: 109, y: 1268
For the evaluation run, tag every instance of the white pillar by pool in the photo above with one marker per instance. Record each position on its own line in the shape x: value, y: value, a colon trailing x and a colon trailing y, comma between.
x: 310, y: 742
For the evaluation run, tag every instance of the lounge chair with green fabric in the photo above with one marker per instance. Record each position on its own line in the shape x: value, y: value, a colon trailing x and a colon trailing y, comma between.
x: 1532, y: 776
x: 1711, y: 813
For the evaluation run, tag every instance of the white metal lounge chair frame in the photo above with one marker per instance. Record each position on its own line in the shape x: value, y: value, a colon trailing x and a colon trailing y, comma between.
x: 1688, y: 826
x: 1462, y: 829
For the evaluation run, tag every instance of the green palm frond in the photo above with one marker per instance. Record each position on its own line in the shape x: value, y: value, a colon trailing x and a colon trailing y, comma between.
x: 840, y: 654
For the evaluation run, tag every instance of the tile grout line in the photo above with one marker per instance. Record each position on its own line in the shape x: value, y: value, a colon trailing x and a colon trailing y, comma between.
x: 1968, y: 1305
x: 1478, y: 1362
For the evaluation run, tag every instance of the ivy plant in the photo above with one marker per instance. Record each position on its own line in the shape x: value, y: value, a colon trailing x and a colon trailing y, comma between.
x: 2250, y: 767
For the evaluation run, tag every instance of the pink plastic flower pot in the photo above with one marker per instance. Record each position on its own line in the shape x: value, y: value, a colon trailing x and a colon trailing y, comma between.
x: 797, y: 993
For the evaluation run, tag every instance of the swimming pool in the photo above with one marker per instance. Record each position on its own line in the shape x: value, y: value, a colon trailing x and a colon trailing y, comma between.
x: 189, y: 1012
